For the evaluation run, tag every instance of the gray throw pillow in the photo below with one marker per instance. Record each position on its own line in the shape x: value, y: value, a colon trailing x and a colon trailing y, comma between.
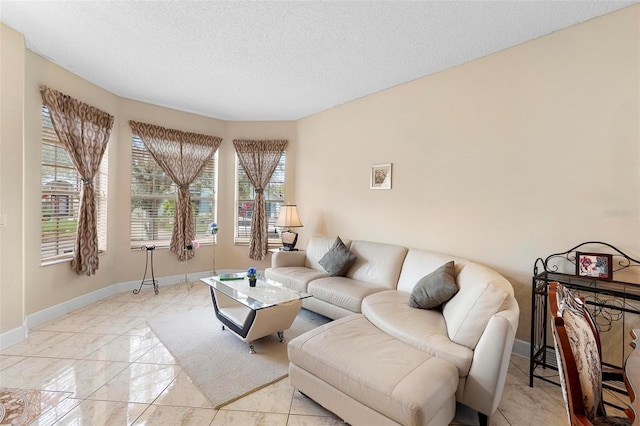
x: 338, y: 259
x: 434, y: 289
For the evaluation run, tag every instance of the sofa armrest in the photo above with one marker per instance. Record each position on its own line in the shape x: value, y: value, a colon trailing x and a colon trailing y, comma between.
x: 281, y: 259
x: 488, y: 373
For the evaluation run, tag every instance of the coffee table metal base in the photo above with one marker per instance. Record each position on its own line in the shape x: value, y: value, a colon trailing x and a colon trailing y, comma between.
x: 250, y: 325
x: 252, y: 349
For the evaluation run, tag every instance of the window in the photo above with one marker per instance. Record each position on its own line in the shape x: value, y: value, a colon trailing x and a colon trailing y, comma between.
x: 61, y: 185
x: 245, y: 193
x: 153, y: 199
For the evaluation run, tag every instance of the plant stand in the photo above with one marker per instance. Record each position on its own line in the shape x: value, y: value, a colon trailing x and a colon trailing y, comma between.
x: 213, y: 249
x: 186, y: 279
x: 149, y: 261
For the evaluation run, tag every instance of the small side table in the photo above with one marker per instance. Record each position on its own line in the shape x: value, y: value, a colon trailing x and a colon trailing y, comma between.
x: 149, y: 261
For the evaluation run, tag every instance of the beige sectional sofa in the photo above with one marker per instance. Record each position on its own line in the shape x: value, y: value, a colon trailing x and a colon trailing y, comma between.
x: 383, y: 362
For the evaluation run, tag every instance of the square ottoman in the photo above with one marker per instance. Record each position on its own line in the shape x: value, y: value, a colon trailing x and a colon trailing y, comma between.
x: 366, y: 377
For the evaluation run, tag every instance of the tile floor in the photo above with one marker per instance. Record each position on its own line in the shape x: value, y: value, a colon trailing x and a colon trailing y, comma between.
x: 102, y: 365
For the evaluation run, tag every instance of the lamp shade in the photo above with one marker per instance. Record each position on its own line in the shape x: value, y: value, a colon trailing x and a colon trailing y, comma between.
x: 288, y: 217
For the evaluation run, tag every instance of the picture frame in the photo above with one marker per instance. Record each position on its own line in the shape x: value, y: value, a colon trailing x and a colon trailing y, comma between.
x: 380, y: 176
x: 594, y: 265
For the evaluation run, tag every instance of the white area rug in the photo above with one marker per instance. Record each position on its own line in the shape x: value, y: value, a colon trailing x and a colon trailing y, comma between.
x: 219, y: 363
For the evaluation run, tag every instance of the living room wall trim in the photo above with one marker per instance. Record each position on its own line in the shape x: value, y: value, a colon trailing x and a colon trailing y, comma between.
x: 11, y: 337
x: 521, y: 347
x: 19, y: 334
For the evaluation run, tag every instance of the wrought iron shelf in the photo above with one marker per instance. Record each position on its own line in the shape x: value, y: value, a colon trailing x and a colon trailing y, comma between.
x: 608, y: 301
x: 614, y: 288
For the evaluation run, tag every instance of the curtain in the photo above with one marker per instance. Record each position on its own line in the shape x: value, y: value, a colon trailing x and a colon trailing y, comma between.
x: 182, y: 156
x: 259, y: 160
x: 84, y: 132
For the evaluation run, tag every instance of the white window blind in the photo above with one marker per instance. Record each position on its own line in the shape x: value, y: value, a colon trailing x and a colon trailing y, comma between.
x: 245, y: 194
x: 153, y: 199
x: 61, y: 185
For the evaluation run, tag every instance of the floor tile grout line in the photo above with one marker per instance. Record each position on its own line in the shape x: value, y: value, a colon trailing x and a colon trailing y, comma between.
x: 142, y: 413
x: 293, y: 397
x: 504, y: 417
x: 113, y: 377
x: 65, y: 414
x: 146, y: 317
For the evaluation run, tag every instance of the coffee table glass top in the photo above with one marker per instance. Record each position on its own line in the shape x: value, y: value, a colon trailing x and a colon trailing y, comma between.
x: 263, y: 295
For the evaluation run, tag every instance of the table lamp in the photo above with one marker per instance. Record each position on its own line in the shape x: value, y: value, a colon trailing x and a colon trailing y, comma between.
x: 289, y: 218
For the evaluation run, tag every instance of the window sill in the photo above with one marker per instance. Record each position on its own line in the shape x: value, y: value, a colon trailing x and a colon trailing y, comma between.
x: 272, y: 244
x: 163, y: 247
x: 64, y: 260
x: 139, y: 246
x: 56, y: 262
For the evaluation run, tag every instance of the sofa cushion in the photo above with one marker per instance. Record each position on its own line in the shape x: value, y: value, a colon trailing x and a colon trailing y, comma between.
x: 434, y: 289
x: 338, y: 259
x: 481, y: 295
x: 280, y: 259
x: 419, y: 263
x: 343, y: 292
x: 377, y: 263
x: 294, y: 277
x: 318, y: 247
x: 405, y: 384
x: 423, y: 329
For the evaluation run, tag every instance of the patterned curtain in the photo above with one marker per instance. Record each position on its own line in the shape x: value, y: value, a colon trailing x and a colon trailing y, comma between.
x: 259, y: 160
x: 182, y: 156
x: 84, y: 132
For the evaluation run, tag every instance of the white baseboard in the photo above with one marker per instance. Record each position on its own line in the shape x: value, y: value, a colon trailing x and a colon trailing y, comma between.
x: 65, y: 307
x: 18, y: 334
x: 11, y: 337
x: 521, y: 348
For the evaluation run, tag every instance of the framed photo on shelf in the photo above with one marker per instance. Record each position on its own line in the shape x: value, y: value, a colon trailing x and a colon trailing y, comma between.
x: 381, y: 176
x: 595, y: 265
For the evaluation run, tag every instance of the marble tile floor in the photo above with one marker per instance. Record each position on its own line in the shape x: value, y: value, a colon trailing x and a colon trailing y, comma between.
x: 102, y: 365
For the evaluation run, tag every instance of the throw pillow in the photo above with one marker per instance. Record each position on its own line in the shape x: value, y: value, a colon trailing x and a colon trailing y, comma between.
x: 338, y: 259
x: 434, y: 289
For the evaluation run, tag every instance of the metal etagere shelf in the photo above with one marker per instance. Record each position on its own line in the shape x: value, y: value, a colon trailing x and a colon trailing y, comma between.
x: 614, y: 304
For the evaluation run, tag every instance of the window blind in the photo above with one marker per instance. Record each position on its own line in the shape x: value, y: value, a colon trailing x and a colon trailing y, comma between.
x: 153, y: 199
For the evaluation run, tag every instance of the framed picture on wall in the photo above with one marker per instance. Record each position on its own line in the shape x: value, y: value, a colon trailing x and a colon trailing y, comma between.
x: 381, y: 176
x: 596, y: 265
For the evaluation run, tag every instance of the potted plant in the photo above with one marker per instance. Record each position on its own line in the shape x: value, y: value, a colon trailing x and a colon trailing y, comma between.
x: 251, y: 274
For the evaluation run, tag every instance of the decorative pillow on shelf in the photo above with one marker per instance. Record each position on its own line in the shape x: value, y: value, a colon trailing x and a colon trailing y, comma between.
x: 338, y: 259
x: 434, y: 289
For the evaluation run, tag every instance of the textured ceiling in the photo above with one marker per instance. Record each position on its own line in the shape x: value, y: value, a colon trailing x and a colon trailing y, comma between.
x: 276, y: 60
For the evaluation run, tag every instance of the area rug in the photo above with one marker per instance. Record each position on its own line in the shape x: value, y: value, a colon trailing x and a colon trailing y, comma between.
x: 21, y: 407
x: 219, y: 363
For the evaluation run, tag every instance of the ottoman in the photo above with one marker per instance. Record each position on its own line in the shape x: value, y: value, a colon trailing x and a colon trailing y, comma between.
x: 367, y: 377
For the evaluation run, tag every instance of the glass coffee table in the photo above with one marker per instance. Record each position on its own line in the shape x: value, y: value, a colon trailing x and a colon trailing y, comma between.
x: 254, y: 312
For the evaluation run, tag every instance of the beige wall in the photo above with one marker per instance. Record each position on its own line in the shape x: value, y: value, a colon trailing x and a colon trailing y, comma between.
x: 12, y: 53
x: 47, y: 286
x: 502, y: 160
x: 237, y: 256
x: 165, y: 262
x: 513, y: 156
x: 27, y: 287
